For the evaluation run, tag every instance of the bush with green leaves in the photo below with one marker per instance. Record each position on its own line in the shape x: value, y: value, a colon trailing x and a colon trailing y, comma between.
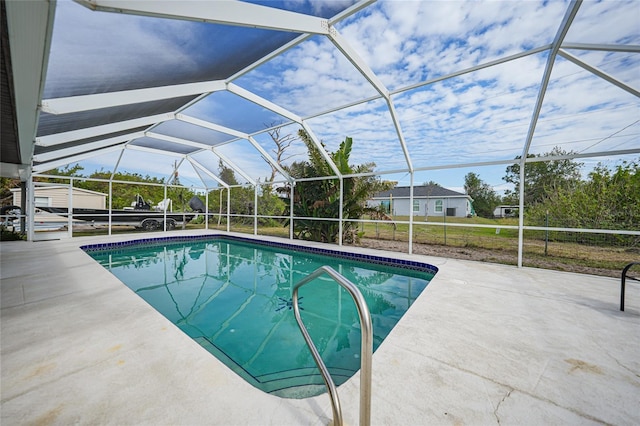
x: 607, y: 199
x: 321, y: 198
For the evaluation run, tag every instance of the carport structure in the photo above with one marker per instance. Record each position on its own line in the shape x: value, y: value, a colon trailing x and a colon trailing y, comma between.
x: 422, y: 87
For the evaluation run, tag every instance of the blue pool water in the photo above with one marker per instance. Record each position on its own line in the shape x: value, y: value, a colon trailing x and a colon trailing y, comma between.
x: 233, y: 296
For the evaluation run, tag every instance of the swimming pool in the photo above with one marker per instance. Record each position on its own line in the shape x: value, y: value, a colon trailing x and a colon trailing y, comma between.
x: 233, y: 296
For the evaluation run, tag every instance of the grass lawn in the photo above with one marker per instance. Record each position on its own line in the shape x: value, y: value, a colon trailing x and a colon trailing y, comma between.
x: 591, y: 252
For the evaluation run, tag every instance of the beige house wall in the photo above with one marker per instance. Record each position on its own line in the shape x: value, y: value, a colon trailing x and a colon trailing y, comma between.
x: 58, y: 197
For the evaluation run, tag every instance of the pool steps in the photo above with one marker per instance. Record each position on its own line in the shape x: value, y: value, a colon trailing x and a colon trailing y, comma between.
x: 301, y: 382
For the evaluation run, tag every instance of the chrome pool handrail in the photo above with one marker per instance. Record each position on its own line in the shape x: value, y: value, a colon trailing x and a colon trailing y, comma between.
x: 366, y: 346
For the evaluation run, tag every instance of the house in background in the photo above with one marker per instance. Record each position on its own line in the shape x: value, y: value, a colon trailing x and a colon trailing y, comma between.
x: 58, y: 196
x: 428, y: 200
x: 506, y: 211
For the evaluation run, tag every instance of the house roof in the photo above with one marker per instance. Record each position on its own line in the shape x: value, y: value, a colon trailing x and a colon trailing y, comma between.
x: 425, y: 191
x: 10, y: 151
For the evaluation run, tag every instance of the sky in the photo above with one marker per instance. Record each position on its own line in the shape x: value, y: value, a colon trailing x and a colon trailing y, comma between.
x: 479, y: 116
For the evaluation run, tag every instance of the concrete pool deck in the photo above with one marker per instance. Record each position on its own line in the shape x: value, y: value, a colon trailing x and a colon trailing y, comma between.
x: 484, y: 344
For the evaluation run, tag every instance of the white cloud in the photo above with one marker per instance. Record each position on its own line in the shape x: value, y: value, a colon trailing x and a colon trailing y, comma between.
x: 479, y: 116
x: 610, y: 22
x: 430, y: 38
x: 318, y: 7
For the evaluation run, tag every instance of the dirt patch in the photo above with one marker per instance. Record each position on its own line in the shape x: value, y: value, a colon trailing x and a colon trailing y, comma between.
x: 483, y: 255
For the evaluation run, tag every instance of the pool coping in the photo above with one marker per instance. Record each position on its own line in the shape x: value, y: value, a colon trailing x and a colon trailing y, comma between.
x: 369, y: 258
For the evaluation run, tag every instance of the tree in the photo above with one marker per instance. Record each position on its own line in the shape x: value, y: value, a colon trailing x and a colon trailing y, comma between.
x: 484, y: 197
x: 269, y: 204
x: 283, y: 142
x: 124, y: 194
x: 608, y: 199
x: 243, y: 199
x: 227, y: 175
x: 67, y: 170
x: 6, y: 184
x: 542, y: 178
x: 619, y: 192
x: 321, y: 198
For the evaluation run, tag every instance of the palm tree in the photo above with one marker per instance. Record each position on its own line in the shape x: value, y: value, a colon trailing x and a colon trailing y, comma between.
x: 321, y: 198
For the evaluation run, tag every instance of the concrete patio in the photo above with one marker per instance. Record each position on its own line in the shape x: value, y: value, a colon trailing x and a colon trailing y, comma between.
x: 484, y: 344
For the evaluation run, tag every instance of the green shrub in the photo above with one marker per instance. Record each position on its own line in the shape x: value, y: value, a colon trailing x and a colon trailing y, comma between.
x: 9, y: 235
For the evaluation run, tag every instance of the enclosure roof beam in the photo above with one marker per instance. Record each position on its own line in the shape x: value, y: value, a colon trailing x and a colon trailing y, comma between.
x: 126, y: 97
x: 396, y: 125
x: 569, y: 16
x: 176, y: 167
x: 584, y: 155
x: 88, y: 147
x: 351, y: 10
x: 234, y: 166
x: 238, y: 134
x: 355, y: 59
x: 475, y: 68
x: 599, y: 73
x: 431, y: 81
x: 179, y: 141
x: 293, y: 43
x: 265, y: 155
x: 343, y: 15
x: 105, y: 129
x: 155, y: 151
x: 211, y: 126
x: 42, y: 167
x: 250, y: 96
x: 115, y: 167
x: 321, y: 149
x: 514, y: 161
x: 218, y: 12
x: 196, y: 165
x: 199, y: 174
x: 629, y: 48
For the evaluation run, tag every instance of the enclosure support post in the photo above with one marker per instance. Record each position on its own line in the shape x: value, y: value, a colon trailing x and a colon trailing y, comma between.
x: 340, y: 215
x: 110, y: 204
x: 70, y: 209
x: 521, y: 213
x: 255, y: 209
x: 444, y: 219
x: 206, y: 208
x: 164, y: 215
x: 546, y: 232
x: 293, y: 186
x: 113, y: 173
x: 228, y: 209
x: 31, y: 209
x: 411, y: 213
x: 220, y: 209
x: 23, y: 207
